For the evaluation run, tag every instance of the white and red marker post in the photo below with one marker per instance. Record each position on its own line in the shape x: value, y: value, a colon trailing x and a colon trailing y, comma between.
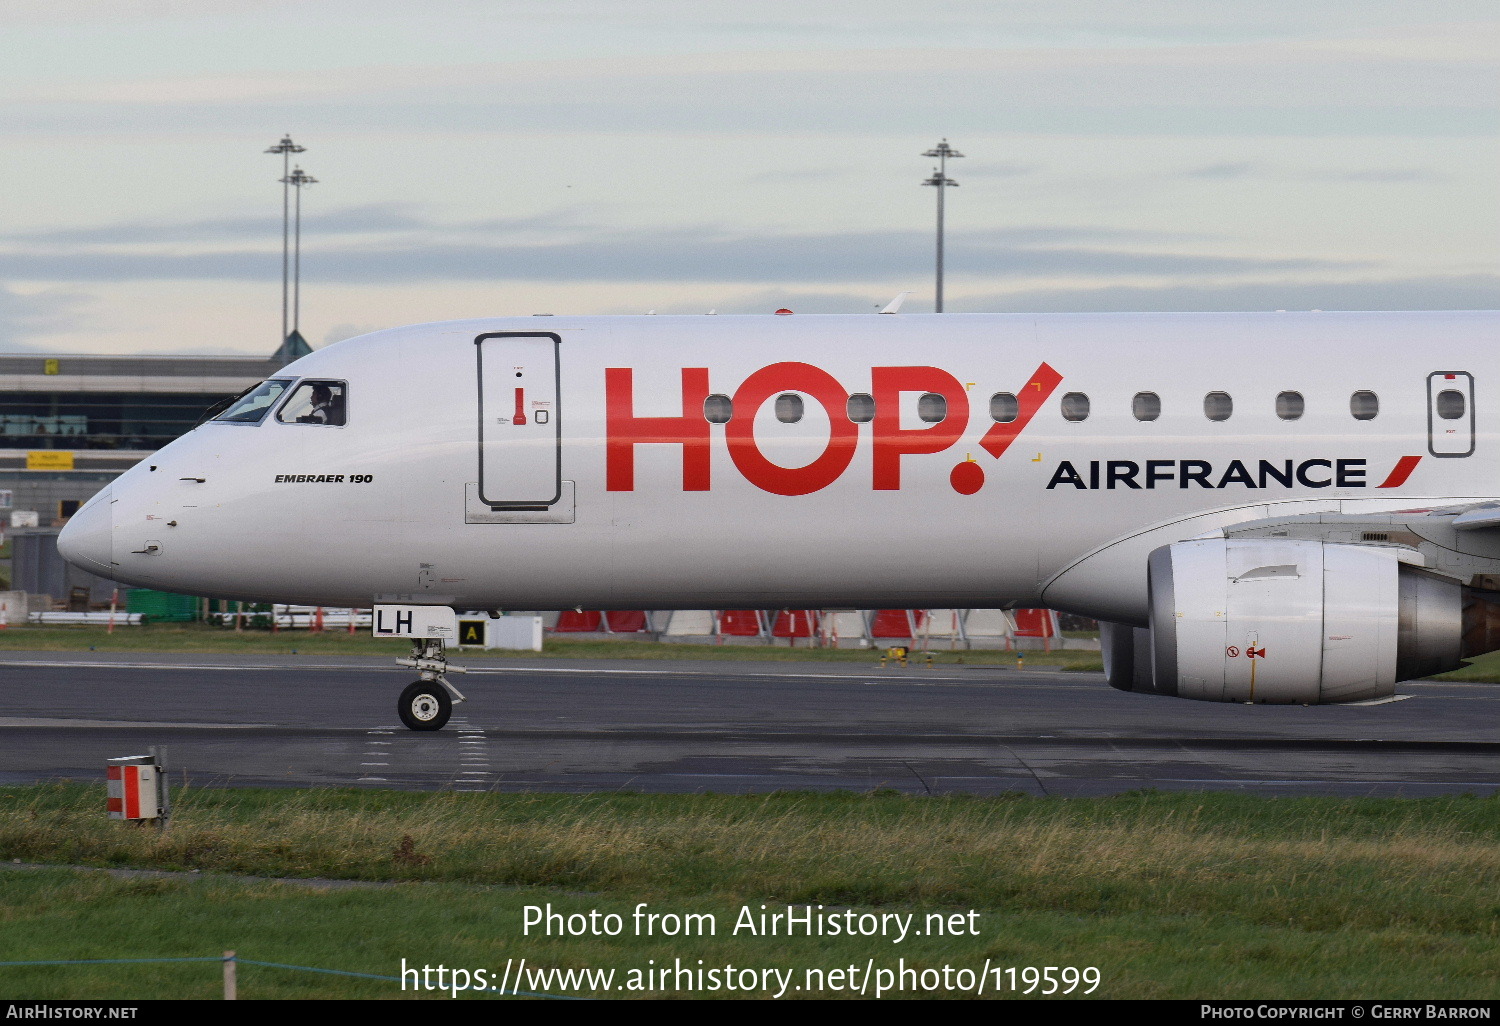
x: 137, y: 789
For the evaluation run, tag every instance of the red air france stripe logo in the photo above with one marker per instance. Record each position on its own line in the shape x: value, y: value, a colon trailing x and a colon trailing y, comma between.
x: 1400, y: 472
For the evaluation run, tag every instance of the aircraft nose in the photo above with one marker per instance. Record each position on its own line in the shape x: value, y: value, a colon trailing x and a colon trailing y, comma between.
x: 87, y: 540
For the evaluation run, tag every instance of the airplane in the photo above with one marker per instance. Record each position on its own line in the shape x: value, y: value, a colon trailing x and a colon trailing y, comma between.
x: 1259, y: 507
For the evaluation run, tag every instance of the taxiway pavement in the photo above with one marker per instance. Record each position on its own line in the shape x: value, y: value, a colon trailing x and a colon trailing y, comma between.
x: 551, y: 725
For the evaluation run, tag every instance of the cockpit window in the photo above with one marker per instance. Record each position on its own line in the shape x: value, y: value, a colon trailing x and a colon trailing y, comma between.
x: 250, y: 407
x: 316, y: 402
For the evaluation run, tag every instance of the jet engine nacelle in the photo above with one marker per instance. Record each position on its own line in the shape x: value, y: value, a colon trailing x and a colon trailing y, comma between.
x: 1286, y: 621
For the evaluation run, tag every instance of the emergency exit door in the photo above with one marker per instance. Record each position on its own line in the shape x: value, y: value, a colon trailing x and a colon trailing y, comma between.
x: 1450, y: 413
x: 520, y: 422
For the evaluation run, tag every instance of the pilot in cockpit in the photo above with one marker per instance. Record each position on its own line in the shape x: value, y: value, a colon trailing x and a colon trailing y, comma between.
x: 326, y: 407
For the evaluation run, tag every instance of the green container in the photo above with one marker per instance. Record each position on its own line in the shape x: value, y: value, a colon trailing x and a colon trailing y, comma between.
x: 162, y: 606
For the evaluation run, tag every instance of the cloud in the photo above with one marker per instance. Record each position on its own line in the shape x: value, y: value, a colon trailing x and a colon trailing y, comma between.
x: 805, y: 105
x: 1252, y: 169
x: 992, y: 170
x: 683, y: 254
x: 415, y: 222
x: 74, y: 11
x: 1047, y: 235
x: 806, y: 174
x: 375, y: 217
x: 139, y: 232
x: 802, y: 301
x: 339, y: 332
x: 1349, y: 84
x: 25, y: 315
x: 1236, y: 169
x: 1379, y: 174
x: 1456, y: 292
x: 368, y: 219
x: 1046, y: 19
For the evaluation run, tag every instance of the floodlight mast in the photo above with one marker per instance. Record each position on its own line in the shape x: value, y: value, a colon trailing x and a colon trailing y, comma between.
x: 942, y: 151
x: 297, y: 179
x: 286, y: 148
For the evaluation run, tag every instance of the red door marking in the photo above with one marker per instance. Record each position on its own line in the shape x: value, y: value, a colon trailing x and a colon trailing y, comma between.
x: 1037, y: 391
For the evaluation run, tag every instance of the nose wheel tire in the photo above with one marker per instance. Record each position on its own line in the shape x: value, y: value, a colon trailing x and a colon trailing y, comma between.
x: 425, y: 705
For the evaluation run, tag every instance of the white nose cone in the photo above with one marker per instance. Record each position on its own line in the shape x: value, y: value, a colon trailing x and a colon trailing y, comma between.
x: 87, y: 540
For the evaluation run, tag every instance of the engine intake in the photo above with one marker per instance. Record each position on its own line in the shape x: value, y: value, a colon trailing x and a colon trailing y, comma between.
x: 1291, y: 621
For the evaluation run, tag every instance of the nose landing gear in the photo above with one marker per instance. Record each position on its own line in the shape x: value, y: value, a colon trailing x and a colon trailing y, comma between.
x: 427, y: 702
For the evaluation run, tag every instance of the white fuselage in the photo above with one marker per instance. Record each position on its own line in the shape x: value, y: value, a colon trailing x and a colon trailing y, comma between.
x: 530, y: 472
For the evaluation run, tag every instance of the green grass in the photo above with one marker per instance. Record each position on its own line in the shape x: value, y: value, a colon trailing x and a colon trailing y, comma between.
x: 1483, y: 669
x: 197, y: 638
x: 1169, y: 895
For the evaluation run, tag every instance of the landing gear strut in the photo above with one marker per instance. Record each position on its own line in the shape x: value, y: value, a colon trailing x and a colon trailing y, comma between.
x: 428, y: 701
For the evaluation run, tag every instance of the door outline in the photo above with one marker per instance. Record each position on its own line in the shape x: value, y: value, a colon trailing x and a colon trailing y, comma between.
x: 1433, y: 382
x: 555, y: 419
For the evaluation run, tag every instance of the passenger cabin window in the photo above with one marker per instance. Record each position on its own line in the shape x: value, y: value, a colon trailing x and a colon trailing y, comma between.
x: 1290, y: 406
x: 861, y: 408
x: 1218, y: 406
x: 1450, y: 404
x: 1146, y: 406
x: 932, y: 408
x: 251, y: 407
x: 316, y: 402
x: 1075, y: 407
x: 1365, y: 405
x: 717, y: 409
x: 789, y: 407
x: 1004, y: 408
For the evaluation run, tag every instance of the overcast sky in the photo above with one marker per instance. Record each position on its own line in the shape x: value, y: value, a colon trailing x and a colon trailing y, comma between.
x: 498, y: 157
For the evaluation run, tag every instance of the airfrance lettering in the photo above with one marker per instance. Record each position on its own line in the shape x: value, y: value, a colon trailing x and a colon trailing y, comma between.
x: 1147, y: 474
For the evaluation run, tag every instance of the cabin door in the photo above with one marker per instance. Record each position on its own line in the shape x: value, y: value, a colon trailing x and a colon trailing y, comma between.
x: 520, y: 420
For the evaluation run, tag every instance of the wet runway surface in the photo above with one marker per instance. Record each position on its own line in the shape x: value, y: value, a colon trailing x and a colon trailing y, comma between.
x: 727, y: 727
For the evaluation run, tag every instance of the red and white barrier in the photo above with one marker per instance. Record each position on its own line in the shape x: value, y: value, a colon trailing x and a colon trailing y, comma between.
x: 133, y: 790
